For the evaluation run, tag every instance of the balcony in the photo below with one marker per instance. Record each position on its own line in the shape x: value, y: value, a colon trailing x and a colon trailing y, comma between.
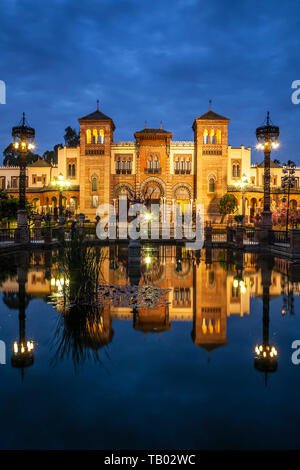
x: 123, y: 172
x: 153, y: 171
x: 182, y: 172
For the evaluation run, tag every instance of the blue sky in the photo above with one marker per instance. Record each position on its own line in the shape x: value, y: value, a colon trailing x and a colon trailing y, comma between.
x: 151, y: 60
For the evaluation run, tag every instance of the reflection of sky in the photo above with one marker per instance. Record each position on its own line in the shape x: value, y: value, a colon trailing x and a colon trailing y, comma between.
x: 154, y: 61
x: 153, y: 391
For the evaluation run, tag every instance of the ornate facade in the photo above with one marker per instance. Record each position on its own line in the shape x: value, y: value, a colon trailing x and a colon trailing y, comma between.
x: 200, y: 171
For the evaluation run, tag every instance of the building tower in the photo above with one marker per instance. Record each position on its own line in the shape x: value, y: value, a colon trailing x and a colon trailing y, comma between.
x: 96, y: 137
x: 211, y: 156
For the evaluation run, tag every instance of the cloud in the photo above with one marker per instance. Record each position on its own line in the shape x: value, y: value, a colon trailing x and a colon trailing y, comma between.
x: 150, y: 60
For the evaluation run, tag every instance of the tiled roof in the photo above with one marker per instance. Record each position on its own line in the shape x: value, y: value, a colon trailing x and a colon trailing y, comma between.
x: 211, y: 115
x: 149, y: 130
x: 40, y: 162
x: 97, y: 116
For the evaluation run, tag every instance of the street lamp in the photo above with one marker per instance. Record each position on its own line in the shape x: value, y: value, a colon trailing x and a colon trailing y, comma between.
x: 288, y: 182
x: 60, y: 183
x: 267, y: 139
x: 242, y: 184
x: 23, y: 141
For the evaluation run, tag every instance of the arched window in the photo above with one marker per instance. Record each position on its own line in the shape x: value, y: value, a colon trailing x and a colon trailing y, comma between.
x: 129, y: 165
x: 218, y: 136
x: 150, y: 163
x: 211, y: 185
x: 95, y: 136
x: 212, y: 136
x: 118, y: 165
x: 101, y: 136
x: 205, y: 136
x: 188, y: 165
x: 88, y: 136
x: 71, y: 170
x: 236, y: 171
x: 94, y: 184
x: 176, y: 165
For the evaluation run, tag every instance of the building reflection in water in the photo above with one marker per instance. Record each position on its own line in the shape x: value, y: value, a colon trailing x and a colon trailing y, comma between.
x: 204, y: 288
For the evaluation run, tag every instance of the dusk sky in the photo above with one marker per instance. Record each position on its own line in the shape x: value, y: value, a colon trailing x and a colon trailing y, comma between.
x: 151, y: 60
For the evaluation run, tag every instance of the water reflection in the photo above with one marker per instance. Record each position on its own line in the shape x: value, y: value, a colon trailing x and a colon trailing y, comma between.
x: 204, y: 288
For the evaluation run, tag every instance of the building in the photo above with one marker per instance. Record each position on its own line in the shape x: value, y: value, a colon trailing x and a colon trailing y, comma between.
x: 102, y: 170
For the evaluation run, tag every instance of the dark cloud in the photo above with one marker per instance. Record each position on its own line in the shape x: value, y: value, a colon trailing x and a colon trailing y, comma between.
x: 150, y: 60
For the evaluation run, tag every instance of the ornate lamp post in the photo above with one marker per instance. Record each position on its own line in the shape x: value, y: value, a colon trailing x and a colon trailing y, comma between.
x: 288, y: 182
x: 23, y: 141
x: 60, y: 183
x: 242, y: 185
x: 267, y: 139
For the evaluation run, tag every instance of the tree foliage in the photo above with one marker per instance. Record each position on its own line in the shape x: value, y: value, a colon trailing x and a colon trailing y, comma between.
x: 11, y: 157
x: 72, y: 137
x: 9, y: 208
x: 228, y: 204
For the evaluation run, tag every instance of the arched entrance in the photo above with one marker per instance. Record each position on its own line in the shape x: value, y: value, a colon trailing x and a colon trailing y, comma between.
x: 182, y: 194
x: 153, y: 190
x: 36, y: 204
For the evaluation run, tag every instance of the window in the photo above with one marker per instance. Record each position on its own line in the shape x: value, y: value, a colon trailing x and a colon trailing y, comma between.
x: 212, y: 136
x: 101, y: 136
x: 252, y: 179
x: 71, y: 170
x: 2, y: 182
x: 211, y: 185
x: 182, y: 165
x: 150, y: 163
x: 34, y: 180
x: 205, y: 136
x: 95, y: 136
x: 123, y: 164
x: 44, y: 179
x: 236, y: 172
x: 218, y: 136
x: 88, y: 136
x: 14, y: 182
x: 94, y: 184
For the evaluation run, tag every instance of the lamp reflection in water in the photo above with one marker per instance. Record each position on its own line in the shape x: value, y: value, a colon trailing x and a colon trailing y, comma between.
x: 266, y: 355
x: 22, y: 349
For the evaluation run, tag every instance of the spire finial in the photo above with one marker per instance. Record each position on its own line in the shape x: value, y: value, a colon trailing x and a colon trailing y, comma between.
x: 97, y: 105
x: 268, y: 118
x: 23, y: 119
x: 160, y: 124
x: 145, y: 124
x: 210, y: 101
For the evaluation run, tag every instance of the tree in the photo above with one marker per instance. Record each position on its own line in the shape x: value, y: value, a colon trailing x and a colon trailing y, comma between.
x: 11, y: 156
x: 51, y: 156
x: 72, y: 138
x: 227, y: 205
x: 9, y: 208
